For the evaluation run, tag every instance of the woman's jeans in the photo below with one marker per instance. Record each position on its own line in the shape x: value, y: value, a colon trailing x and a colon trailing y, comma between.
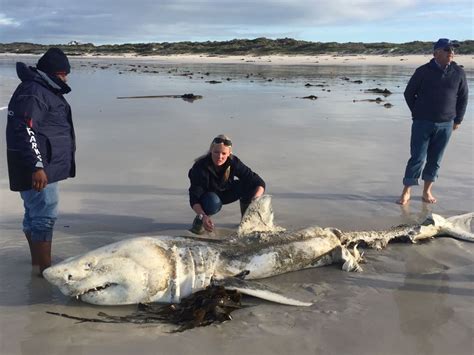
x: 41, y: 211
x: 211, y: 202
x: 428, y: 142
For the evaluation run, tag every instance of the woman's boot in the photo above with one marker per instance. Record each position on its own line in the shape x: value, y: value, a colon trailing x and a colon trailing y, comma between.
x: 42, y: 251
x: 34, y: 259
x: 243, y: 207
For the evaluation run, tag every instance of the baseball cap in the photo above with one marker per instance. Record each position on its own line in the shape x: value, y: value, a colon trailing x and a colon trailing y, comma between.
x: 445, y: 43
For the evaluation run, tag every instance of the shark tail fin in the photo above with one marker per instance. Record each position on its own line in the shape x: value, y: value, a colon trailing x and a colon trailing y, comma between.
x: 460, y: 227
x: 256, y: 289
x: 462, y: 221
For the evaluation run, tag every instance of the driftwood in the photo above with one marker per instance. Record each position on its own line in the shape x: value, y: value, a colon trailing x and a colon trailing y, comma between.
x: 384, y: 92
x: 377, y: 100
x: 185, y: 97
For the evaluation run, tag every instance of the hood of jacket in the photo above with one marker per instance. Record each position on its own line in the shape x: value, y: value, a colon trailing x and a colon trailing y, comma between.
x: 53, y: 83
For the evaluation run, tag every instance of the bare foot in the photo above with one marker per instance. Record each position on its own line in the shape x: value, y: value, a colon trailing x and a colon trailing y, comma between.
x: 428, y: 198
x: 404, y: 198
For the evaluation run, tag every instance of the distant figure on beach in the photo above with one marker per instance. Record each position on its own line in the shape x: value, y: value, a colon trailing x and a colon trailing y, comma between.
x: 437, y: 96
x: 213, y: 183
x: 40, y: 147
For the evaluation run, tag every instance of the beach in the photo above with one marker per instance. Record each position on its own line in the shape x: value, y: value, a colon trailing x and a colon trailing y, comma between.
x: 334, y: 161
x: 466, y: 60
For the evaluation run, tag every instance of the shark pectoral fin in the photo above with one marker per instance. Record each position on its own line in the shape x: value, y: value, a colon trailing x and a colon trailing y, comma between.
x: 349, y: 262
x: 358, y: 255
x: 256, y: 289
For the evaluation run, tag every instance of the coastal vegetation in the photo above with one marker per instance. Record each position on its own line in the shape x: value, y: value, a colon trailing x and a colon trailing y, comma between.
x: 256, y: 47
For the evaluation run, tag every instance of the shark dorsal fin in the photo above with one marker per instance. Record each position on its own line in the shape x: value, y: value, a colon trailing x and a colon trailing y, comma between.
x: 258, y: 217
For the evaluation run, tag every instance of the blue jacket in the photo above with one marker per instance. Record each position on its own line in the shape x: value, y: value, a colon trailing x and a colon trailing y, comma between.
x: 204, y: 178
x: 40, y: 132
x: 437, y: 95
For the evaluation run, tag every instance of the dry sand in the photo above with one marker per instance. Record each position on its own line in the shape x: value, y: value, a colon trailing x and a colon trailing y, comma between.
x: 325, y: 59
x: 330, y: 162
x: 405, y: 60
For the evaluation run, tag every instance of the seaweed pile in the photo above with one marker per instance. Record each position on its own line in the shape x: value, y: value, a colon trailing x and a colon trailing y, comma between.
x: 211, y: 305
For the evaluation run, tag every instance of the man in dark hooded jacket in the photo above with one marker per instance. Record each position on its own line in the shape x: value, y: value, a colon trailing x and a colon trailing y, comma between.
x: 40, y: 147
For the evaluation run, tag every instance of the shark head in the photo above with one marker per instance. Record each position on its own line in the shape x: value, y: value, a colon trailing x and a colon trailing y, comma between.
x: 125, y: 272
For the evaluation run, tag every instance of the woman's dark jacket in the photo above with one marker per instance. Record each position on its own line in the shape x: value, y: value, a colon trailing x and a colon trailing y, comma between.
x: 40, y: 132
x: 437, y: 95
x: 204, y: 178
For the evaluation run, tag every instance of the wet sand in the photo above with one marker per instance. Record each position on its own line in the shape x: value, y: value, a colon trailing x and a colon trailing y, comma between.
x: 328, y: 162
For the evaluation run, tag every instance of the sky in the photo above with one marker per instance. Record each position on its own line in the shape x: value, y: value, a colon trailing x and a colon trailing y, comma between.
x: 144, y: 21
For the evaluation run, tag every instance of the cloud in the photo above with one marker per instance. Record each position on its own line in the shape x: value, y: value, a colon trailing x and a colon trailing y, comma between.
x: 119, y: 21
x: 7, y: 21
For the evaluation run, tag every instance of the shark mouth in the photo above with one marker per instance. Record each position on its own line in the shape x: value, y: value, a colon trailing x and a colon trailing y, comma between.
x: 96, y: 290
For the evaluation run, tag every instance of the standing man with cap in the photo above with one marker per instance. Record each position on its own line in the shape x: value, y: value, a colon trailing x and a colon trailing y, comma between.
x: 437, y: 97
x: 40, y: 147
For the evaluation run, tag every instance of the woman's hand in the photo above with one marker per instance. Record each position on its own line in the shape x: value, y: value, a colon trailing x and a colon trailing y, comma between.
x: 207, y: 223
x: 258, y: 192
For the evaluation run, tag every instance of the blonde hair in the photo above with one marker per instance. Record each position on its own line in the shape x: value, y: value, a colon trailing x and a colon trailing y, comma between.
x: 221, y: 136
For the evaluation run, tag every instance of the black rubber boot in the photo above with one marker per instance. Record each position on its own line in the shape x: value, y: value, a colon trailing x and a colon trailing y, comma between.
x: 42, y: 252
x: 243, y: 207
x: 197, y: 227
x: 34, y: 259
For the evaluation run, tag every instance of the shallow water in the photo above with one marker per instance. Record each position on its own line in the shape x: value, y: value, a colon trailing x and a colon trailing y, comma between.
x: 330, y: 161
x: 328, y: 154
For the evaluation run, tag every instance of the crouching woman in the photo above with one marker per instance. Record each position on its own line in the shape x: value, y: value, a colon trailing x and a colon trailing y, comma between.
x: 219, y: 178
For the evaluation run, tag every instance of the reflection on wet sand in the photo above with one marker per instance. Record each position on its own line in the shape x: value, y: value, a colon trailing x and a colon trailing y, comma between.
x: 422, y: 318
x: 415, y: 217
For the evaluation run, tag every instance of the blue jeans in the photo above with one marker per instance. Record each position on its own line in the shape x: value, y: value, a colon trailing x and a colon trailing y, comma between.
x: 211, y: 202
x: 428, y: 142
x: 41, y: 211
